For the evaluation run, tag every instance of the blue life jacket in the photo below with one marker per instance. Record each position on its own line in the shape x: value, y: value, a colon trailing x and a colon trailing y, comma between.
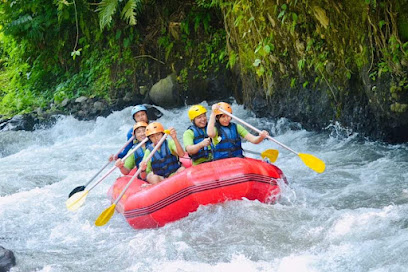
x: 199, y: 135
x: 230, y: 144
x: 139, y: 154
x: 163, y: 162
x: 129, y: 146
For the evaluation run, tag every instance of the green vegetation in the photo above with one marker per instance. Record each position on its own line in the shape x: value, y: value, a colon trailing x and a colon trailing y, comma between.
x: 328, y: 41
x: 52, y: 50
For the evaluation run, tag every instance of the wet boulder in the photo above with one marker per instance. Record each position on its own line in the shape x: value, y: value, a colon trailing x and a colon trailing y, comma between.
x: 19, y: 122
x: 7, y: 259
x: 153, y: 113
x: 165, y: 93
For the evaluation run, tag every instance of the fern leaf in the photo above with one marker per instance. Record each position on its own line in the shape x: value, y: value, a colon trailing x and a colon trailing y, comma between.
x: 106, y: 10
x: 128, y: 12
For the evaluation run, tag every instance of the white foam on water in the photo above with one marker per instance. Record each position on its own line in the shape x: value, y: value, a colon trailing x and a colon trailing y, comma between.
x: 350, y: 218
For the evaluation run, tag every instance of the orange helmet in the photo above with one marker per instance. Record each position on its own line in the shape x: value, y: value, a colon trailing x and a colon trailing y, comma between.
x: 153, y: 128
x: 224, y: 106
x: 138, y: 125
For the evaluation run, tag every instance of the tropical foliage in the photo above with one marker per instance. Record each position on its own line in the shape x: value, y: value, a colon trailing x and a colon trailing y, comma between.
x: 52, y: 50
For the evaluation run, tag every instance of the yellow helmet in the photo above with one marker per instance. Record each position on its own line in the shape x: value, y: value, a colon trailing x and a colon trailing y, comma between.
x: 224, y: 106
x: 153, y: 128
x: 195, y: 111
x: 138, y: 125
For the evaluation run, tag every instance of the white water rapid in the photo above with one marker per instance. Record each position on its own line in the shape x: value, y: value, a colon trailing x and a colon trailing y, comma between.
x: 353, y: 217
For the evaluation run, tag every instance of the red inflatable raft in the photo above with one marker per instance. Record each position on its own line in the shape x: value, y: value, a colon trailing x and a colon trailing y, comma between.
x: 207, y: 183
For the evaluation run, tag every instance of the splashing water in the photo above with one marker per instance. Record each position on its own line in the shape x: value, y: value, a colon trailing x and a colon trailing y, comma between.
x: 350, y: 218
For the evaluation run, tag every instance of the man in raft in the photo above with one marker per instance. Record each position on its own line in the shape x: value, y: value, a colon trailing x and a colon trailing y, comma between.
x: 139, y: 131
x: 195, y: 138
x: 226, y: 136
x: 165, y: 161
x: 139, y: 114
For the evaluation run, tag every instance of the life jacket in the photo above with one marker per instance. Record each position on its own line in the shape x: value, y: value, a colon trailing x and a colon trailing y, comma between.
x: 139, y: 153
x: 164, y: 163
x: 199, y: 135
x: 230, y: 144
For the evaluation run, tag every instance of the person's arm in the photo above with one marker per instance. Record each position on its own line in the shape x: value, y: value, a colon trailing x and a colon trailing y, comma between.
x: 120, y: 164
x: 211, y: 123
x: 179, y: 148
x: 145, y: 166
x: 191, y: 148
x: 252, y: 138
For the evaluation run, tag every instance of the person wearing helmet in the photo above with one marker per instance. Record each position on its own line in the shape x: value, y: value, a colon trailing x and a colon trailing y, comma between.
x: 164, y: 162
x: 139, y: 114
x: 226, y: 135
x: 195, y: 138
x: 139, y: 131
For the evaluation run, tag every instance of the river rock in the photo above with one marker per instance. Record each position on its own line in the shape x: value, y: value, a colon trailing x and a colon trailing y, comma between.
x: 19, y: 122
x: 65, y: 102
x: 165, y: 93
x: 7, y: 259
x: 81, y: 99
x: 153, y: 113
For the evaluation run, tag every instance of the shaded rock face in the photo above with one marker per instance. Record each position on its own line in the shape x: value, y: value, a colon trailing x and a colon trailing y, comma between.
x: 216, y: 87
x: 315, y: 109
x: 7, y: 259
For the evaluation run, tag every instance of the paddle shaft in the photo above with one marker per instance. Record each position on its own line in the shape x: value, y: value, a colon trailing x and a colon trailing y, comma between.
x: 140, y: 169
x: 124, y: 158
x: 251, y: 152
x: 257, y: 130
x: 128, y: 142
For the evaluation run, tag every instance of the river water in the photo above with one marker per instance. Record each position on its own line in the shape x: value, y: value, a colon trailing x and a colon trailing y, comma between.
x: 353, y: 217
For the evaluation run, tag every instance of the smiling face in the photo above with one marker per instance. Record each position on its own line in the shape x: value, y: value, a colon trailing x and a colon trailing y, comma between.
x: 140, y: 133
x: 155, y: 138
x: 140, y: 116
x: 224, y: 120
x: 201, y: 120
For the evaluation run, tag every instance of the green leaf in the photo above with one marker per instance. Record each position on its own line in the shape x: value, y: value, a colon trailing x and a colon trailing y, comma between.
x: 118, y: 34
x: 258, y: 48
x: 256, y: 62
x: 267, y: 49
x: 301, y: 64
x: 106, y: 10
x: 260, y: 71
x: 126, y: 42
x: 293, y: 82
x: 128, y: 12
x: 305, y: 84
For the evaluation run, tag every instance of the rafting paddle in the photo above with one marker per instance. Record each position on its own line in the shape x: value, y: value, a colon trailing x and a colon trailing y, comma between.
x: 81, y: 188
x: 106, y: 215
x: 78, y: 198
x: 309, y: 160
x: 271, y: 154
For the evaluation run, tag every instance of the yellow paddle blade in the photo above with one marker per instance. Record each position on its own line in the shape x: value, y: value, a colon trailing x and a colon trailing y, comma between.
x: 167, y: 131
x: 76, y: 200
x: 313, y: 162
x: 271, y: 154
x: 105, y: 216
